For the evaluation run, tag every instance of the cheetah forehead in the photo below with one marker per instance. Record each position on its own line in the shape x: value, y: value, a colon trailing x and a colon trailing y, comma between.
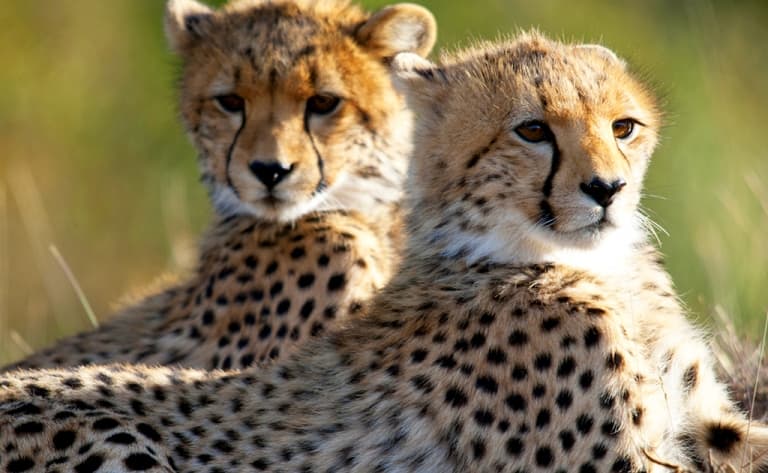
x: 272, y: 38
x: 543, y: 75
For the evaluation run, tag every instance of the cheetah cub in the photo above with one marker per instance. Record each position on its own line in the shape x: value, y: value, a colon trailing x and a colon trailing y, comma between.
x: 303, y: 144
x: 505, y: 343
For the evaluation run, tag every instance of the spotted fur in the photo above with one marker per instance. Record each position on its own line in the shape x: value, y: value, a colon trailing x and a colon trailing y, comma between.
x: 286, y: 261
x: 487, y: 361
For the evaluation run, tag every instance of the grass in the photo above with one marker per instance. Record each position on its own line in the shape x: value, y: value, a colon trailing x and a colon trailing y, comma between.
x: 95, y: 162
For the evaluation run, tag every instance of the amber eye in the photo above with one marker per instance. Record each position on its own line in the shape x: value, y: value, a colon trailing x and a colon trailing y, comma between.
x: 232, y: 103
x: 623, y: 128
x: 534, y: 132
x: 322, y: 104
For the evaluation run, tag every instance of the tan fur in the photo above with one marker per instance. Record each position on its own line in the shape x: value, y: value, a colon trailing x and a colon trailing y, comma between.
x: 277, y: 267
x: 470, y: 360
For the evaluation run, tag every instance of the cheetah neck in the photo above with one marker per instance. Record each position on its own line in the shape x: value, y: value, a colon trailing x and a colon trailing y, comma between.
x: 609, y: 256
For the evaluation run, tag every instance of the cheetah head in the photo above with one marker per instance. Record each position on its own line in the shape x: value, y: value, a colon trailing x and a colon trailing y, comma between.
x: 530, y: 151
x: 290, y: 102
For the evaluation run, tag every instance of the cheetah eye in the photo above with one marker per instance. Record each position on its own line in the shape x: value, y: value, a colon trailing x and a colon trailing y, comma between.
x: 231, y: 103
x: 534, y: 132
x: 322, y: 104
x: 622, y: 129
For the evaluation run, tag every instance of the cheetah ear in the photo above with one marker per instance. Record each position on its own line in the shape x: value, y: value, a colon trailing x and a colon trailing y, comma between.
x: 185, y: 22
x: 417, y: 78
x: 403, y: 27
x: 603, y: 52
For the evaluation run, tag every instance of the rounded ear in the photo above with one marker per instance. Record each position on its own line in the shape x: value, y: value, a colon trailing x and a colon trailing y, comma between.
x: 185, y: 22
x: 415, y: 76
x: 403, y: 27
x: 603, y: 52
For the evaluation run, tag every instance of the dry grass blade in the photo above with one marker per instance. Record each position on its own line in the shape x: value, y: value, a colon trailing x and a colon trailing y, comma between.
x: 75, y: 285
x: 4, y: 266
x: 22, y: 344
x: 34, y: 217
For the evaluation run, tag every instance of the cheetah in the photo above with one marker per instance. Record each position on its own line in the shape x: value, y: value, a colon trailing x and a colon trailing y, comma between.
x: 303, y: 143
x: 529, y: 328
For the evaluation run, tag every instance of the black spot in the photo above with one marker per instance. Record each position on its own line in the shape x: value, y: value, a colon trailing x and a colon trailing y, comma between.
x: 208, y: 317
x: 487, y: 318
x: 516, y: 402
x: 539, y: 391
x: 28, y: 428
x: 323, y: 260
x: 276, y: 289
x: 615, y: 361
x: 90, y: 464
x: 261, y: 464
x: 298, y: 252
x: 446, y: 361
x: 587, y: 468
x: 515, y: 446
x: 691, y: 378
x: 72, y: 383
x: 584, y: 424
x: 543, y: 361
x: 455, y: 397
x: 105, y: 423
x: 37, y: 391
x: 265, y: 331
x: 64, y: 439
x: 148, y: 431
x: 543, y: 418
x: 496, y: 356
x: 418, y: 355
x: 337, y: 282
x: 283, y: 307
x: 483, y: 417
x: 567, y: 439
x: 622, y: 465
x: 121, y: 438
x: 477, y: 340
x: 306, y: 280
x: 422, y: 383
x: 610, y: 428
x: 246, y: 360
x: 519, y: 372
x: 564, y: 399
x: 478, y: 449
x: 592, y: 337
x: 20, y: 464
x: 544, y: 457
x: 550, y: 324
x: 487, y: 384
x: 566, y: 367
x: 585, y: 380
x: 599, y: 451
x: 140, y: 462
x: 271, y: 268
x: 722, y: 438
x: 518, y: 338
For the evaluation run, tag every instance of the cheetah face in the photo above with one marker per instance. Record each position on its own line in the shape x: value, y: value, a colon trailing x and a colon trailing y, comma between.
x: 290, y: 103
x: 543, y: 146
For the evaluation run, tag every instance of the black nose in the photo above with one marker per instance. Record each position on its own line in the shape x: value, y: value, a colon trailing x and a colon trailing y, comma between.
x: 270, y: 174
x: 601, y: 191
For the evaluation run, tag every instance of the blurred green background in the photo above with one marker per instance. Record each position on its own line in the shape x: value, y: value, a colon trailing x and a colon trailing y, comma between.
x: 94, y: 161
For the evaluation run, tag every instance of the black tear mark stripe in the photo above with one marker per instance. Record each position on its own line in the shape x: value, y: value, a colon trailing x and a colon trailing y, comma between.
x: 547, y: 217
x: 321, y: 184
x: 476, y: 157
x: 231, y: 150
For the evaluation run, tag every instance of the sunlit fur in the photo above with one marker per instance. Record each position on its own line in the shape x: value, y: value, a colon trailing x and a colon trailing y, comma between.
x: 276, y: 55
